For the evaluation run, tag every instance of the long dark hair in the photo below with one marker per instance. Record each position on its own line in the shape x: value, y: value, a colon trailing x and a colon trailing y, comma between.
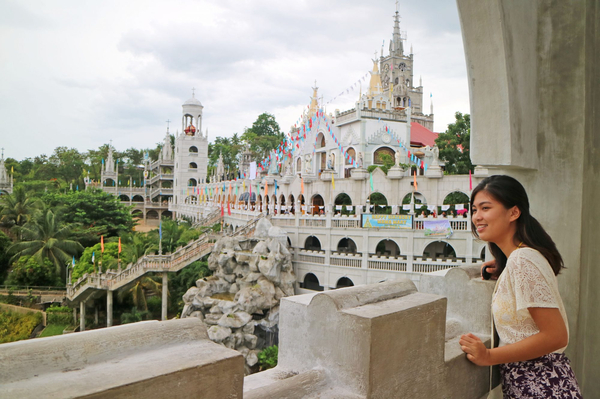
x: 509, y: 192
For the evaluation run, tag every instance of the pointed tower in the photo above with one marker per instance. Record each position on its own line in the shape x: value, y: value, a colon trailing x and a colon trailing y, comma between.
x: 6, y: 182
x: 220, y: 168
x: 167, y: 149
x: 314, y: 102
x: 109, y: 176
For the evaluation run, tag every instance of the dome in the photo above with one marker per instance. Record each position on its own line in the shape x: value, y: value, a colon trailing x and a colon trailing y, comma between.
x: 193, y: 101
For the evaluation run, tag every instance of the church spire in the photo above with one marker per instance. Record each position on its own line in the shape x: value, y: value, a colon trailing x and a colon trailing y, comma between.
x: 397, y: 37
x: 314, y: 103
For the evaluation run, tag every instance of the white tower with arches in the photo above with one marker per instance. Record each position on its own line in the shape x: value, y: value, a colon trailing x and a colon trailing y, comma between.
x: 191, y: 153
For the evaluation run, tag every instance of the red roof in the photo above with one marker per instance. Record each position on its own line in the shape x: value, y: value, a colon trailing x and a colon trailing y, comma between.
x: 420, y: 136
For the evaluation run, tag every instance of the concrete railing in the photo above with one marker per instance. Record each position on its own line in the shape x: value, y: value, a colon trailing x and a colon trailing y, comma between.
x: 386, y: 340
x: 151, y: 359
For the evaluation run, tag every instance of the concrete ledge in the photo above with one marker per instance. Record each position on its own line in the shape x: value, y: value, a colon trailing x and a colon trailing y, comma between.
x: 151, y: 359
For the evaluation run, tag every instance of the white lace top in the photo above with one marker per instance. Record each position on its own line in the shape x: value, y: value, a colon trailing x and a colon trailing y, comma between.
x: 528, y: 281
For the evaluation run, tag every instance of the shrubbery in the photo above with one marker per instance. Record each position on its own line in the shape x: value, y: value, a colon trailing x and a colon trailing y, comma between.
x: 61, y: 315
x: 16, y: 326
x: 267, y: 358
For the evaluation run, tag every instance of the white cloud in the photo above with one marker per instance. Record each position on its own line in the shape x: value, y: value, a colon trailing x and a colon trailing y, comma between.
x: 81, y: 73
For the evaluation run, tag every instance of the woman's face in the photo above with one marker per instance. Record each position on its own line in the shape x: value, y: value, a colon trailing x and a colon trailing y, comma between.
x: 491, y: 219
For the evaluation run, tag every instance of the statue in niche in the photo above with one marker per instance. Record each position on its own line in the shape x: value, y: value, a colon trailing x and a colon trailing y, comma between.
x: 308, y: 163
x: 288, y: 167
x: 360, y: 159
x: 273, y: 170
x: 331, y: 161
x: 397, y: 158
x: 435, y: 151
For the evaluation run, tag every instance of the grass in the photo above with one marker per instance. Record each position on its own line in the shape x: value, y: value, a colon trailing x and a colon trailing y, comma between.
x: 53, y: 329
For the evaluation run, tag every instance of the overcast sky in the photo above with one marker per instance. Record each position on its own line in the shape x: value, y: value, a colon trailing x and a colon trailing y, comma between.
x: 80, y: 73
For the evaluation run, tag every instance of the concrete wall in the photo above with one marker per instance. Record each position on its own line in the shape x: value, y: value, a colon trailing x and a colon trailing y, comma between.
x: 151, y: 359
x: 384, y: 340
x: 533, y: 79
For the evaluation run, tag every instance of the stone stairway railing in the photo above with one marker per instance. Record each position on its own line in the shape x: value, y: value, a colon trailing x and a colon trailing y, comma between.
x: 248, y: 228
x: 209, y: 220
x: 149, y: 263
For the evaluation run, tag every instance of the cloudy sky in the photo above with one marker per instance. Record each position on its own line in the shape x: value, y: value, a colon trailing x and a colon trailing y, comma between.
x: 80, y: 73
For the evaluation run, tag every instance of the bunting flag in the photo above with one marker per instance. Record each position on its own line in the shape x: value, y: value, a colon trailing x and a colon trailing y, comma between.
x: 470, y: 181
x: 119, y: 244
x: 302, y: 185
x: 332, y: 182
x: 73, y: 263
x: 415, y: 180
x: 160, y: 230
x: 102, y: 243
x: 275, y: 189
x: 93, y: 256
x: 371, y: 181
x: 266, y: 189
x: 222, y: 211
x: 229, y: 208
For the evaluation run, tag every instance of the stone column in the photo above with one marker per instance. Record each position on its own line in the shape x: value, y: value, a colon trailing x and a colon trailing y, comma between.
x: 109, y: 308
x: 74, y: 315
x: 165, y: 283
x: 82, y: 316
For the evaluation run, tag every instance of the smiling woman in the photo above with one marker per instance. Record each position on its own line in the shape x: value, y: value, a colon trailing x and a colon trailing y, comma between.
x: 528, y: 311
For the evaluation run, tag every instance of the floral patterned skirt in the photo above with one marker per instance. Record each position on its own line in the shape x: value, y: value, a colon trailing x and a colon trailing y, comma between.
x: 549, y: 376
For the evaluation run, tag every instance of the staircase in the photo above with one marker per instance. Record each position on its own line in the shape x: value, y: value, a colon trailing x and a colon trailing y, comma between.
x: 173, y: 262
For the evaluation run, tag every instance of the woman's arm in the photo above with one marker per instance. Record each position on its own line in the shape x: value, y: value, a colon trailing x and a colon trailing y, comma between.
x: 552, y: 336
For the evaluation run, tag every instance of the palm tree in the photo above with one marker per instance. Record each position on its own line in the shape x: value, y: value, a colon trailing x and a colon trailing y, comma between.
x: 17, y: 208
x: 45, y: 238
x: 139, y: 289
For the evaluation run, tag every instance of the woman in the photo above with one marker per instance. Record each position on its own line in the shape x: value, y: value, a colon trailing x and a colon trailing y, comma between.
x: 528, y: 312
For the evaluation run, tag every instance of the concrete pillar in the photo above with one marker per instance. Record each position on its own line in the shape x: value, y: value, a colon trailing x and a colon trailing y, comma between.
x: 82, y: 316
x: 165, y: 283
x: 109, y: 308
x: 74, y: 315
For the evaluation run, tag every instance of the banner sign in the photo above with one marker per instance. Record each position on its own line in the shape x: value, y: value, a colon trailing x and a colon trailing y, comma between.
x: 387, y: 221
x: 437, y: 228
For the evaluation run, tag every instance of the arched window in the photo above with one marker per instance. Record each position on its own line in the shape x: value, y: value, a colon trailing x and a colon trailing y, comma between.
x: 387, y: 248
x: 193, y: 165
x: 192, y: 183
x: 346, y: 245
x: 351, y: 156
x: 344, y: 282
x: 312, y: 243
x: 194, y: 149
x: 318, y: 204
x: 343, y: 200
x: 320, y: 140
x: 298, y: 165
x: 439, y: 249
x: 387, y: 152
x: 311, y: 282
x: 137, y: 198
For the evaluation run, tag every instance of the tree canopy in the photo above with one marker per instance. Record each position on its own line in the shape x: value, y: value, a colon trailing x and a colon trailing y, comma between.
x: 264, y: 135
x: 454, y: 145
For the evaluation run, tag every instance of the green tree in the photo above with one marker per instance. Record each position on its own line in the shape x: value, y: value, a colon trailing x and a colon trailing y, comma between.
x: 138, y: 291
x: 29, y: 271
x: 109, y: 259
x: 94, y: 209
x: 230, y: 148
x: 264, y: 135
x: 5, y: 243
x: 45, y: 238
x: 454, y: 145
x: 69, y: 165
x: 17, y: 209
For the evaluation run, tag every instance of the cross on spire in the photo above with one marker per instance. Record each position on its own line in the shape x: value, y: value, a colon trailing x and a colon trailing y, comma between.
x: 2, y: 152
x: 168, y: 122
x: 193, y: 91
x: 397, y: 3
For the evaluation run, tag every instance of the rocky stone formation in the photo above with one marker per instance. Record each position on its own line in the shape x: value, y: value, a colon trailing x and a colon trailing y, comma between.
x: 239, y: 303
